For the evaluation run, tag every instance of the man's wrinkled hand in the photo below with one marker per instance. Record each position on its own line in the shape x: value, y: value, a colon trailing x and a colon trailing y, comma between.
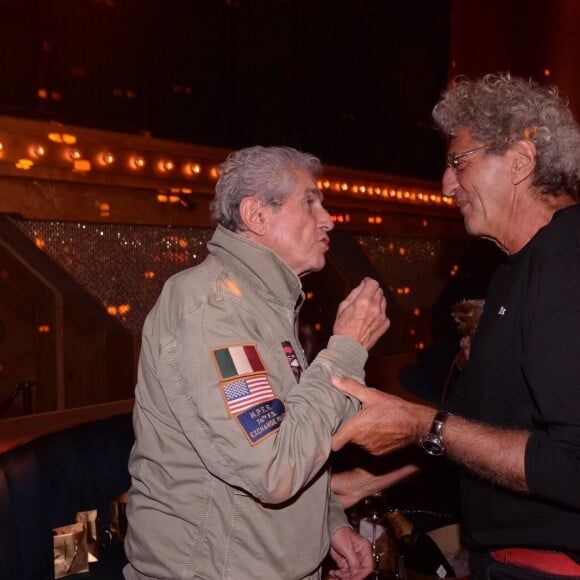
x: 385, y: 423
x: 352, y: 554
x: 362, y: 314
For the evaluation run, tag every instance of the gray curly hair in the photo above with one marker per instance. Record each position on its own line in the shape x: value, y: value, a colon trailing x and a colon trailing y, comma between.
x: 267, y: 172
x: 500, y: 109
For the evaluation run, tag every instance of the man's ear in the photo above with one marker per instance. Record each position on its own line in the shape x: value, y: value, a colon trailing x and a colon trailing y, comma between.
x: 252, y: 214
x: 524, y: 161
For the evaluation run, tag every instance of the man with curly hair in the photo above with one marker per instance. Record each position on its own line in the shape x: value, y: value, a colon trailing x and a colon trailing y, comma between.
x: 513, y: 167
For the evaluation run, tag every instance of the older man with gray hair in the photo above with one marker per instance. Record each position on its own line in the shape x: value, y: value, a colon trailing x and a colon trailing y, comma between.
x: 233, y: 427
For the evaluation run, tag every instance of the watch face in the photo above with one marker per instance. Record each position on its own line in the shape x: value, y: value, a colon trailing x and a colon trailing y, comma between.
x: 432, y: 444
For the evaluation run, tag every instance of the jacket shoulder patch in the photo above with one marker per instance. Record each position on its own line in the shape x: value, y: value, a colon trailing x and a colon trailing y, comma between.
x: 237, y: 361
x: 261, y: 421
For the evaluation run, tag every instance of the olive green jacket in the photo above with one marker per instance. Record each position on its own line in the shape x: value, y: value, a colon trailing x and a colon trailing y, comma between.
x: 229, y: 471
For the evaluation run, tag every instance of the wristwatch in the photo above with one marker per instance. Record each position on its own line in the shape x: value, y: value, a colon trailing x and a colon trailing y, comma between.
x: 432, y: 443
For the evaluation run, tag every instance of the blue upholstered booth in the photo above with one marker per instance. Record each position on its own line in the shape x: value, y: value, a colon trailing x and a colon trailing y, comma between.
x: 44, y: 482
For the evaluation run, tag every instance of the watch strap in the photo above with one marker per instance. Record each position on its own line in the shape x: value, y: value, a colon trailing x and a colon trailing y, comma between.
x: 432, y: 442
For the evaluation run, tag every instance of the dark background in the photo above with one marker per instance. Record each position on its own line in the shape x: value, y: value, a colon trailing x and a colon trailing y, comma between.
x: 353, y: 81
x: 350, y: 80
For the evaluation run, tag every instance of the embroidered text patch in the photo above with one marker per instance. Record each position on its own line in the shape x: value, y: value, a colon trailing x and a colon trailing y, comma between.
x: 262, y: 420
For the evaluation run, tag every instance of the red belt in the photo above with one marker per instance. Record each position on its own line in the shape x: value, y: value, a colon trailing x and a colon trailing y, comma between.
x: 538, y: 560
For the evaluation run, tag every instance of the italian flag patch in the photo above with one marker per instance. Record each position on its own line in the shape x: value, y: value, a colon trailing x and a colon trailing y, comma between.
x: 237, y: 361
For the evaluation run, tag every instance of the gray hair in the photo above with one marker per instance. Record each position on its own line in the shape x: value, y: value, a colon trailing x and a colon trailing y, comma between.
x: 267, y: 172
x: 500, y: 110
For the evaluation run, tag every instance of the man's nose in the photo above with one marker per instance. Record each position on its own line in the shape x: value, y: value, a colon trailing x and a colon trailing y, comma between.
x: 449, y: 183
x: 325, y: 220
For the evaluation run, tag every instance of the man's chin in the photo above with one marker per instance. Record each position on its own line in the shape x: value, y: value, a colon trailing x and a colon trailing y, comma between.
x: 314, y: 268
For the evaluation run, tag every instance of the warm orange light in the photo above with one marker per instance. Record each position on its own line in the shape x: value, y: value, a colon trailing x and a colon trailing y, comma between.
x: 39, y: 242
x: 105, y: 210
x: 24, y: 164
x: 75, y: 154
x: 309, y: 295
x: 37, y: 151
x: 137, y: 162
x: 107, y: 158
x: 165, y: 165
x: 81, y: 165
x: 43, y: 328
x: 193, y: 168
x: 112, y: 310
x: 149, y: 275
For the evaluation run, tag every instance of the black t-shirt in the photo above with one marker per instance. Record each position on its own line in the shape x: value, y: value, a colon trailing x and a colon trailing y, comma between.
x: 524, y: 372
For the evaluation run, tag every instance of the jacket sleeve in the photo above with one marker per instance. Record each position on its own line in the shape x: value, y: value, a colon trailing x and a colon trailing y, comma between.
x: 552, y: 368
x: 337, y: 517
x: 293, y: 429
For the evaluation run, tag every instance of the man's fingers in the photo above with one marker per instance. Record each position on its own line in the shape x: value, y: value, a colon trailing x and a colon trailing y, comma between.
x: 352, y: 296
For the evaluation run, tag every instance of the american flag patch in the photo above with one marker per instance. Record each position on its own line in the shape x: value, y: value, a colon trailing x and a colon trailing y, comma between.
x: 242, y: 394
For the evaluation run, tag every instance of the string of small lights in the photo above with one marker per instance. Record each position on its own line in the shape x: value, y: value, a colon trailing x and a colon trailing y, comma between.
x: 37, y: 150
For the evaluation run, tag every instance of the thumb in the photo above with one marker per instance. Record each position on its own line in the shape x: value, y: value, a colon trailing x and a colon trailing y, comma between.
x: 350, y: 386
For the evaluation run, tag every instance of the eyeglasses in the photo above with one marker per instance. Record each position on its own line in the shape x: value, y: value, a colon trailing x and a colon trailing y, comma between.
x: 453, y: 158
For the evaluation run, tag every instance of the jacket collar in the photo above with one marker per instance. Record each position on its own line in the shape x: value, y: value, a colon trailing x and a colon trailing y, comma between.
x: 272, y: 278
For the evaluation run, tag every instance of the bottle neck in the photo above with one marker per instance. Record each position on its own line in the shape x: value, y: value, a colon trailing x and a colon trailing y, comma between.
x: 401, y: 525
